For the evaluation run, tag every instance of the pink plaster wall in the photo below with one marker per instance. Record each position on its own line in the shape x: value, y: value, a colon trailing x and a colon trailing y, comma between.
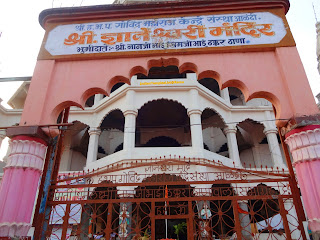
x: 276, y: 75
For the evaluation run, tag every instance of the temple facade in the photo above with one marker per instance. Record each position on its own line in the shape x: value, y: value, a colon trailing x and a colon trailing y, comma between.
x: 163, y: 120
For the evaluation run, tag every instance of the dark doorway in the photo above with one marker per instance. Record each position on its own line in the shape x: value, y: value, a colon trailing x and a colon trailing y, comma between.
x: 161, y: 229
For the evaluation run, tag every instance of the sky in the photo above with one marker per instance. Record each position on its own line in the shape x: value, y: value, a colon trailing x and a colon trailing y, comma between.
x: 21, y: 37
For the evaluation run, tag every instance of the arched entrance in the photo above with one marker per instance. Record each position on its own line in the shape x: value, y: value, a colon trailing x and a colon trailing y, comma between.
x: 111, y: 137
x: 163, y: 123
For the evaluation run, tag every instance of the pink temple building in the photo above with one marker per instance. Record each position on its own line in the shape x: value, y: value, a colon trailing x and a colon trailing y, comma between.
x: 143, y: 117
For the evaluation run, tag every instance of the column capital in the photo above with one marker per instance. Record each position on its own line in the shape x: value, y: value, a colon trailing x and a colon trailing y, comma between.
x: 194, y: 111
x: 94, y: 131
x: 130, y: 112
x: 231, y: 128
x: 267, y: 131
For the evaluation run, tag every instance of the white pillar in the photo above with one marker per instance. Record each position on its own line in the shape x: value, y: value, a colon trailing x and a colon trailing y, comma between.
x: 194, y: 114
x: 196, y: 129
x: 231, y: 131
x: 97, y: 99
x: 94, y: 134
x: 225, y: 94
x: 274, y: 148
x: 66, y: 156
x: 256, y: 154
x: 129, y: 129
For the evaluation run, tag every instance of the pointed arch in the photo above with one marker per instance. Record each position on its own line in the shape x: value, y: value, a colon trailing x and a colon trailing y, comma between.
x: 159, y: 99
x: 215, y: 111
x: 108, y: 113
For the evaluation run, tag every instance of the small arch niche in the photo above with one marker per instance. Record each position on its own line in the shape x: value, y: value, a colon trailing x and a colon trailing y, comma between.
x: 236, y: 97
x: 212, y: 130
x: 210, y: 84
x: 111, y: 137
x: 162, y: 119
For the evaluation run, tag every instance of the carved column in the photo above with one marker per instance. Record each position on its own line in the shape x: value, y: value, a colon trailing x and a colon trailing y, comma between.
x: 19, y: 185
x: 94, y: 134
x: 304, y: 144
x: 274, y: 148
x: 231, y: 131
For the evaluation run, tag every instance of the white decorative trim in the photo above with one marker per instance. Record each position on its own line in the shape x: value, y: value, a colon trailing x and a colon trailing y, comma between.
x: 230, y: 129
x: 194, y: 111
x: 305, y: 145
x: 14, y: 229
x: 14, y: 224
x: 26, y: 154
x: 270, y: 131
x: 94, y: 131
x: 132, y: 112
